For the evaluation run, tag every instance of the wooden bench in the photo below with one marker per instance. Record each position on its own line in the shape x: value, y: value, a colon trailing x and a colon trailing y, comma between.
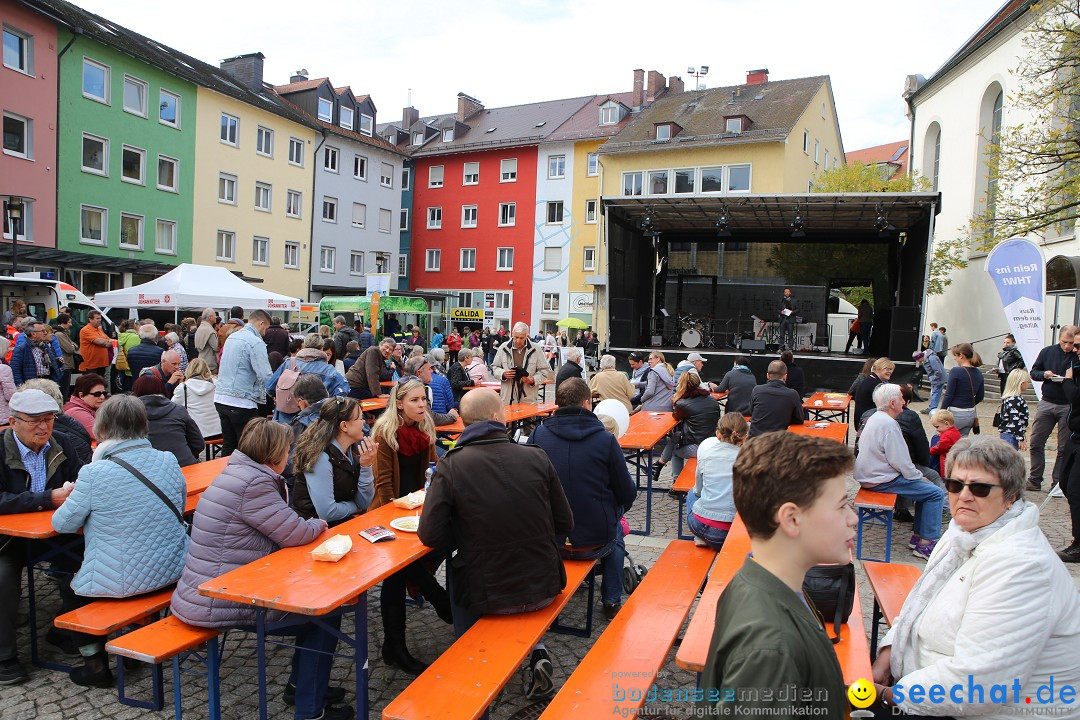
x: 613, y: 678
x: 891, y: 585
x: 468, y: 677
x: 875, y: 510
x: 172, y: 639
x: 212, y: 448
x: 682, y: 485
x: 104, y: 617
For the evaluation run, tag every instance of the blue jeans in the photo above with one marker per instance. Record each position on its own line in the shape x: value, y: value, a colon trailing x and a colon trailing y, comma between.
x: 1011, y: 439
x: 935, y: 396
x: 611, y: 567
x: 312, y: 658
x: 678, y: 458
x: 713, y: 536
x: 929, y: 502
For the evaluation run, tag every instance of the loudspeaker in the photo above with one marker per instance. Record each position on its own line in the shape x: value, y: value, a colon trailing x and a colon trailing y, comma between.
x: 752, y: 345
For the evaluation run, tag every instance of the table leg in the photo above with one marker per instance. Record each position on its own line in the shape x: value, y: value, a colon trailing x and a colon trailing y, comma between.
x: 260, y: 653
x: 648, y: 493
x: 875, y: 620
x: 31, y: 562
x: 360, y: 622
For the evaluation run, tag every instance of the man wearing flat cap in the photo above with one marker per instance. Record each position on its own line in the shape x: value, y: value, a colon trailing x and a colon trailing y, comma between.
x: 37, y: 470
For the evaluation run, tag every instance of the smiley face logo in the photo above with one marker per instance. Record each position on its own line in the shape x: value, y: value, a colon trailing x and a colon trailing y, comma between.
x: 862, y: 693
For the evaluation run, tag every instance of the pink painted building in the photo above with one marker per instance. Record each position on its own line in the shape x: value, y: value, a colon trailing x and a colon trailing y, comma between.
x: 28, y: 87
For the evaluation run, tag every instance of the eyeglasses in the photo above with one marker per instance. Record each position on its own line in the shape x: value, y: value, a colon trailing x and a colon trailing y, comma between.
x: 98, y: 393
x: 38, y: 421
x: 978, y: 489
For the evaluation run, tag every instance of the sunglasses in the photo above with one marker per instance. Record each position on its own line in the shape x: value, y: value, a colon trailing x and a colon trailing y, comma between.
x: 978, y: 489
x: 98, y: 393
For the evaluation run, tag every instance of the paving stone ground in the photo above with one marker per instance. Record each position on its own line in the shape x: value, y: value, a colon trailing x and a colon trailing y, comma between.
x: 51, y: 696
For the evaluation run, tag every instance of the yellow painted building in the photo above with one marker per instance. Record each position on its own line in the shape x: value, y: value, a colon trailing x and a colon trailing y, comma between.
x: 254, y: 184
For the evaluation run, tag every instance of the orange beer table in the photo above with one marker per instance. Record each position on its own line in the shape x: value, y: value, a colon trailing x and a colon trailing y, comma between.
x: 829, y: 430
x: 514, y: 414
x: 646, y: 429
x: 290, y: 580
x: 891, y: 583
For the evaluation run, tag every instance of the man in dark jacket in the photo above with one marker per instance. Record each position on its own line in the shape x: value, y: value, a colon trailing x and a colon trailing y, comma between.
x: 277, y: 337
x: 365, y: 338
x: 1053, y: 408
x: 37, y: 470
x: 739, y: 382
x: 774, y: 406
x: 343, y: 335
x: 571, y: 368
x: 147, y: 353
x: 35, y: 357
x: 501, y: 506
x: 593, y: 474
x: 366, y: 373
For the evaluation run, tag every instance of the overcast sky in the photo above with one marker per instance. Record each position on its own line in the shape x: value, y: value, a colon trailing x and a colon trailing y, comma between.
x: 508, y: 52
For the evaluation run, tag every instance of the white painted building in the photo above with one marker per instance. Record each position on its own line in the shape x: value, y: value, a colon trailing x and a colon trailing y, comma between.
x: 554, y: 228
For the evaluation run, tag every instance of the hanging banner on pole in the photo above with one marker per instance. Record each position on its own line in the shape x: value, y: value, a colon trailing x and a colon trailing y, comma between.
x: 1017, y: 268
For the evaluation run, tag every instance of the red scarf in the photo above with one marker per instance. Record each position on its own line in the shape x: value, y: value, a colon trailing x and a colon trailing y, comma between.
x: 411, y: 440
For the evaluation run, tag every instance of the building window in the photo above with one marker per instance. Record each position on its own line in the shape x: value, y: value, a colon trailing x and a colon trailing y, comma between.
x: 330, y: 159
x: 550, y: 302
x: 472, y: 174
x: 631, y: 183
x: 590, y: 212
x: 134, y: 96
x: 263, y: 193
x: 403, y: 219
x: 418, y: 139
x: 592, y: 165
x: 230, y: 129
x: 226, y: 189
x: 658, y: 182
x: 684, y: 180
x: 556, y: 167
x: 385, y: 219
x: 169, y: 109
x: 359, y: 167
x: 386, y: 175
x: 264, y: 141
x: 448, y: 135
x: 329, y: 209
x: 505, y: 259
x: 434, y: 218
x: 403, y: 265
x: 435, y: 176
x: 507, y: 214
x: 468, y: 259
x: 733, y: 125
x: 826, y: 158
x: 738, y: 178
x: 18, y: 51
x: 18, y: 138
x: 296, y: 152
x: 226, y: 246
x: 552, y: 259
x: 131, y: 231
x: 165, y: 238
x: 555, y: 212
x: 292, y: 255
x: 260, y: 250
x: 588, y: 262
x: 356, y: 263
x: 345, y: 118
x: 406, y: 177
x: 294, y: 202
x: 168, y: 172
x: 359, y: 215
x: 94, y: 225
x: 663, y: 132
x: 327, y: 259
x: 508, y: 170
x: 468, y: 216
x: 326, y: 110
x: 95, y: 152
x: 817, y: 151
x: 609, y: 114
x: 712, y: 179
x: 367, y: 124
x: 133, y: 168
x: 433, y: 260
x: 932, y: 156
x: 95, y: 81
x: 806, y: 141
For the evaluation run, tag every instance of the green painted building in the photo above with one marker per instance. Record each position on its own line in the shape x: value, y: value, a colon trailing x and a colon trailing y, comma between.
x: 127, y: 165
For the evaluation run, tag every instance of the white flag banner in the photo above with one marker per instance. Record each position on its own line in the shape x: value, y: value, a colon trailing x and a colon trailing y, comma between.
x: 1017, y: 268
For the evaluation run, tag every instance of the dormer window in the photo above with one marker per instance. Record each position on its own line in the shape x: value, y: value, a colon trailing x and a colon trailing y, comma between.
x: 346, y: 118
x: 663, y: 132
x: 418, y: 139
x: 448, y: 135
x: 610, y: 113
x: 736, y: 123
x: 326, y: 110
x: 367, y: 124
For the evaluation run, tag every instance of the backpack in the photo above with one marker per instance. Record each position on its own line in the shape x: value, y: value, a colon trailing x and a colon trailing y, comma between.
x: 121, y: 357
x: 283, y: 392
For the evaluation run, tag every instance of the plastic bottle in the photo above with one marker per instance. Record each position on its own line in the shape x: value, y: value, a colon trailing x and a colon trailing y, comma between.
x: 428, y: 474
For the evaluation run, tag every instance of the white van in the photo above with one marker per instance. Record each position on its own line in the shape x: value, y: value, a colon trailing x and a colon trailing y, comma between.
x: 44, y: 298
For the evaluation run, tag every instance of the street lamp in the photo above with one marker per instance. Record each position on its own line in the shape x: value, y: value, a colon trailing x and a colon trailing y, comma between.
x: 13, y: 217
x: 698, y: 74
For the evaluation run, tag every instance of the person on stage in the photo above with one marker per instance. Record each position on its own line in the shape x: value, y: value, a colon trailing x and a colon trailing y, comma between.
x: 787, y: 311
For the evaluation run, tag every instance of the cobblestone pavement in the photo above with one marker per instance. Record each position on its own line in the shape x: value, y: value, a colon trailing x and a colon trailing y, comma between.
x: 51, y: 696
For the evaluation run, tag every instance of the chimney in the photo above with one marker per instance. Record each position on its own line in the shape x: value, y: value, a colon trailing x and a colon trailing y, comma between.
x: 757, y: 77
x: 247, y: 70
x: 639, y: 88
x: 409, y: 116
x: 654, y: 85
x: 675, y: 84
x: 467, y: 106
x: 300, y: 76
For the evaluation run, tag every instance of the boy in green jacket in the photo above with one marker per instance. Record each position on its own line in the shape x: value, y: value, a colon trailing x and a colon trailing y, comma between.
x: 769, y: 651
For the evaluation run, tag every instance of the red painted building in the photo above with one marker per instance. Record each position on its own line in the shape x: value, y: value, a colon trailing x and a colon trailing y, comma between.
x: 28, y: 87
x: 474, y: 203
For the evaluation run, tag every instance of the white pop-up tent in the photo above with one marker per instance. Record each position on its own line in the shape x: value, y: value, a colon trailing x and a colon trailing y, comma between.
x: 196, y: 286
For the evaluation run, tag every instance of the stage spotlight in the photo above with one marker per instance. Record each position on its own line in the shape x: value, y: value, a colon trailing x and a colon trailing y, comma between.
x: 722, y: 224
x: 797, y: 224
x: 881, y: 222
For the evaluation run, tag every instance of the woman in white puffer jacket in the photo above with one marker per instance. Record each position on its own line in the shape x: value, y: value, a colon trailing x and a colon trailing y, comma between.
x: 196, y: 395
x: 995, y: 606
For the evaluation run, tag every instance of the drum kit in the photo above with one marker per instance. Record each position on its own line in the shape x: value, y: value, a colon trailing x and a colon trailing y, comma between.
x: 696, y: 332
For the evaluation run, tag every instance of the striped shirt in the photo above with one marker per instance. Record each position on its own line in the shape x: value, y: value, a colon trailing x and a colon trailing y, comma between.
x: 35, y: 465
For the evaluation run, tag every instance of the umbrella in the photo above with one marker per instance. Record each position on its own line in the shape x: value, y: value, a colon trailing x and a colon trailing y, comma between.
x: 572, y: 323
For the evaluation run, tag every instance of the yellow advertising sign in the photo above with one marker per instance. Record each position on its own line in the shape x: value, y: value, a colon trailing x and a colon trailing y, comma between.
x: 467, y: 314
x: 375, y: 314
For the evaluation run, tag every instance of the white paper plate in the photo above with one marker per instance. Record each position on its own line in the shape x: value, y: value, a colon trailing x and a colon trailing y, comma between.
x: 409, y: 523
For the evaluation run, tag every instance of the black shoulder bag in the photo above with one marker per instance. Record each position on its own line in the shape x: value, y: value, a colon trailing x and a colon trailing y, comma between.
x: 156, y: 490
x: 831, y: 591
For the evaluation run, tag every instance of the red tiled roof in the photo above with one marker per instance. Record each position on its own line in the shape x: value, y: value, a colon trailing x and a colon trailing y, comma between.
x: 300, y: 86
x: 585, y: 123
x: 895, y: 153
x: 375, y: 140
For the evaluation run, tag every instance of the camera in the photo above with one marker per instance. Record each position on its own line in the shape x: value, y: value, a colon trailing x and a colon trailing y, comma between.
x: 520, y: 373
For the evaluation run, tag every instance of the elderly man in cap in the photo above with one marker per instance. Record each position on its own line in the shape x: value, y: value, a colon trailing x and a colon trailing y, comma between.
x: 694, y: 363
x: 37, y: 471
x: 521, y: 366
